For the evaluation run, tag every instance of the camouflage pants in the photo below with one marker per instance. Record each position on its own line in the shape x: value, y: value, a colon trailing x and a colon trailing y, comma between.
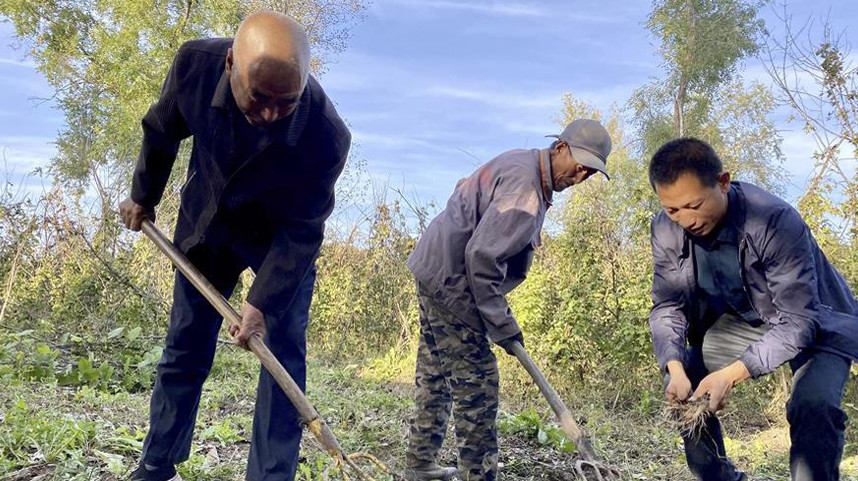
x: 456, y: 370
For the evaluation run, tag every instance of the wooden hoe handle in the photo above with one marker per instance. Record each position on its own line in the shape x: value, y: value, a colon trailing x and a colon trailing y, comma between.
x: 309, y: 415
x: 567, y: 422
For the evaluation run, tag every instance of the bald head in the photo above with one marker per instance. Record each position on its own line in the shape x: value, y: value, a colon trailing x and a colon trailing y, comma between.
x: 268, y: 66
x: 271, y: 37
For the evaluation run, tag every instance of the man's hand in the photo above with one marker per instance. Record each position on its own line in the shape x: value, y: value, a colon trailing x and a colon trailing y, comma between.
x: 718, y: 385
x: 133, y: 214
x: 252, y: 323
x: 506, y: 344
x: 679, y: 387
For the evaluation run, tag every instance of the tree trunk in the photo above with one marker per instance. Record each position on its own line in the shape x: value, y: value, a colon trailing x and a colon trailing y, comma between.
x: 678, y: 107
x: 682, y: 90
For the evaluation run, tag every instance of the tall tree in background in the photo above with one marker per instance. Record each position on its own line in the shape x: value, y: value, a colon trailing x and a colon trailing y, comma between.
x: 106, y: 60
x: 702, y: 44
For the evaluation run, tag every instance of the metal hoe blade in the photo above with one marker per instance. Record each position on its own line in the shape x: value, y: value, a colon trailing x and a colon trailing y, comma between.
x: 598, y: 472
x: 590, y: 463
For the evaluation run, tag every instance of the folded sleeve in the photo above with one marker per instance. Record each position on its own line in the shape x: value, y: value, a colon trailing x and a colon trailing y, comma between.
x: 788, y: 259
x: 505, y: 229
x: 667, y: 319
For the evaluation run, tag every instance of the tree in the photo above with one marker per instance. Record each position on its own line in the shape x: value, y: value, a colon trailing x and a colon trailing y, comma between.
x: 107, y: 60
x: 73, y: 271
x: 702, y: 94
x: 702, y: 42
x: 813, y: 76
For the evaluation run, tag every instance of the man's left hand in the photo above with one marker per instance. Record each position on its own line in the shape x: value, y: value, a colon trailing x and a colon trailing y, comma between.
x: 718, y: 385
x: 506, y: 344
x: 252, y: 323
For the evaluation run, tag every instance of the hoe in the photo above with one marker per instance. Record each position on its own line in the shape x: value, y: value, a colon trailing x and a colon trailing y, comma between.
x: 309, y: 416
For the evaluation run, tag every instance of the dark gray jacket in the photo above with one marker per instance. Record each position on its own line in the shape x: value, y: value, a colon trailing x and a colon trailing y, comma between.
x: 274, y: 193
x: 790, y: 284
x: 481, y: 246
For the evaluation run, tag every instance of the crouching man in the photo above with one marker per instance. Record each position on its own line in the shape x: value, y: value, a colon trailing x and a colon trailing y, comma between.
x: 739, y: 288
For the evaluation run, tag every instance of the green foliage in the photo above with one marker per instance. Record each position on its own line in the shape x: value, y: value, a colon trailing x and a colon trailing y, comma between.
x: 28, y: 436
x: 121, y: 362
x: 529, y: 424
x: 702, y: 40
x: 223, y: 432
x: 365, y: 298
x: 397, y: 364
x: 91, y: 434
x: 311, y: 471
x: 107, y: 60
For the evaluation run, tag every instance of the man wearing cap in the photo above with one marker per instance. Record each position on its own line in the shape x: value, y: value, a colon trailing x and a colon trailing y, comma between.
x: 471, y: 255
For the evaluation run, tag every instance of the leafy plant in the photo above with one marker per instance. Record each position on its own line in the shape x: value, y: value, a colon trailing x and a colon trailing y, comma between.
x: 531, y: 425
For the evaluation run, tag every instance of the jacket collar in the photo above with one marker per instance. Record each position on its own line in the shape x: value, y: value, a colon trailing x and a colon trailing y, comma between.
x: 222, y: 93
x: 740, y: 210
x: 545, y: 179
x: 289, y: 129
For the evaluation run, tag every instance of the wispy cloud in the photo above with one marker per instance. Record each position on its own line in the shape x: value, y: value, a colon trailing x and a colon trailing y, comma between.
x: 518, y: 10
x: 29, y: 85
x: 23, y: 154
x: 514, y: 9
x: 17, y: 63
x: 500, y: 98
x: 391, y: 141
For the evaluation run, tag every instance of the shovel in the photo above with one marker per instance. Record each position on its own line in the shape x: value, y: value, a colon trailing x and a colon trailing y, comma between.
x: 309, y: 416
x: 590, y: 462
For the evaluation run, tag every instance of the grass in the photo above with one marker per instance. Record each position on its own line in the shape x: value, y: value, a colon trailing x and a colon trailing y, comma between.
x: 52, y: 432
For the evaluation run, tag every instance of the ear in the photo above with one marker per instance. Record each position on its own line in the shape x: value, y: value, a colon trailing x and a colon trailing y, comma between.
x: 229, y: 61
x: 724, y: 181
x: 558, y: 147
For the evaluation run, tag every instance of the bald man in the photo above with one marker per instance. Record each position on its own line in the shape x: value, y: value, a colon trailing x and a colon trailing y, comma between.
x: 268, y: 147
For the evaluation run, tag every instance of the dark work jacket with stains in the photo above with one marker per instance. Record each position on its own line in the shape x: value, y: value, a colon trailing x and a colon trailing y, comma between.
x: 481, y: 246
x: 272, y: 188
x: 789, y: 282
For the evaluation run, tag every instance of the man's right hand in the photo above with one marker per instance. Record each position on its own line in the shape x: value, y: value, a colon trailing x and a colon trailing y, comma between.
x: 133, y: 214
x: 679, y: 387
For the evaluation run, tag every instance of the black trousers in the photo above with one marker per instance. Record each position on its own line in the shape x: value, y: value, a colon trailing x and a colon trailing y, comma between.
x: 187, y: 360
x: 817, y: 424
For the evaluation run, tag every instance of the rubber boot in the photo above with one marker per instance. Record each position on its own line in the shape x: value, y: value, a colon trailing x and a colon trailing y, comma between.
x: 428, y: 472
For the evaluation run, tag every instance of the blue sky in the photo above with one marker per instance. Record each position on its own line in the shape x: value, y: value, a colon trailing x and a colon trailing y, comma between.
x: 432, y: 88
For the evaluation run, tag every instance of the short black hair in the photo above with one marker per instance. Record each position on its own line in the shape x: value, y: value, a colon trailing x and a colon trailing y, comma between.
x: 685, y: 155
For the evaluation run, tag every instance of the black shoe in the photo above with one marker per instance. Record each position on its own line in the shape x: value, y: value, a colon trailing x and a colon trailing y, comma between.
x: 428, y: 472
x: 158, y: 474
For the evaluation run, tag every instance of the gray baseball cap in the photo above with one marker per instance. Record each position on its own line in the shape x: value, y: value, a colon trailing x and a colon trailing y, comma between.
x: 589, y: 142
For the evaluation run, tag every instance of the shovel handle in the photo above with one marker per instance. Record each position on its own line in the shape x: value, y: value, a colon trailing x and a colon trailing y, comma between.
x: 567, y: 422
x: 257, y: 345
